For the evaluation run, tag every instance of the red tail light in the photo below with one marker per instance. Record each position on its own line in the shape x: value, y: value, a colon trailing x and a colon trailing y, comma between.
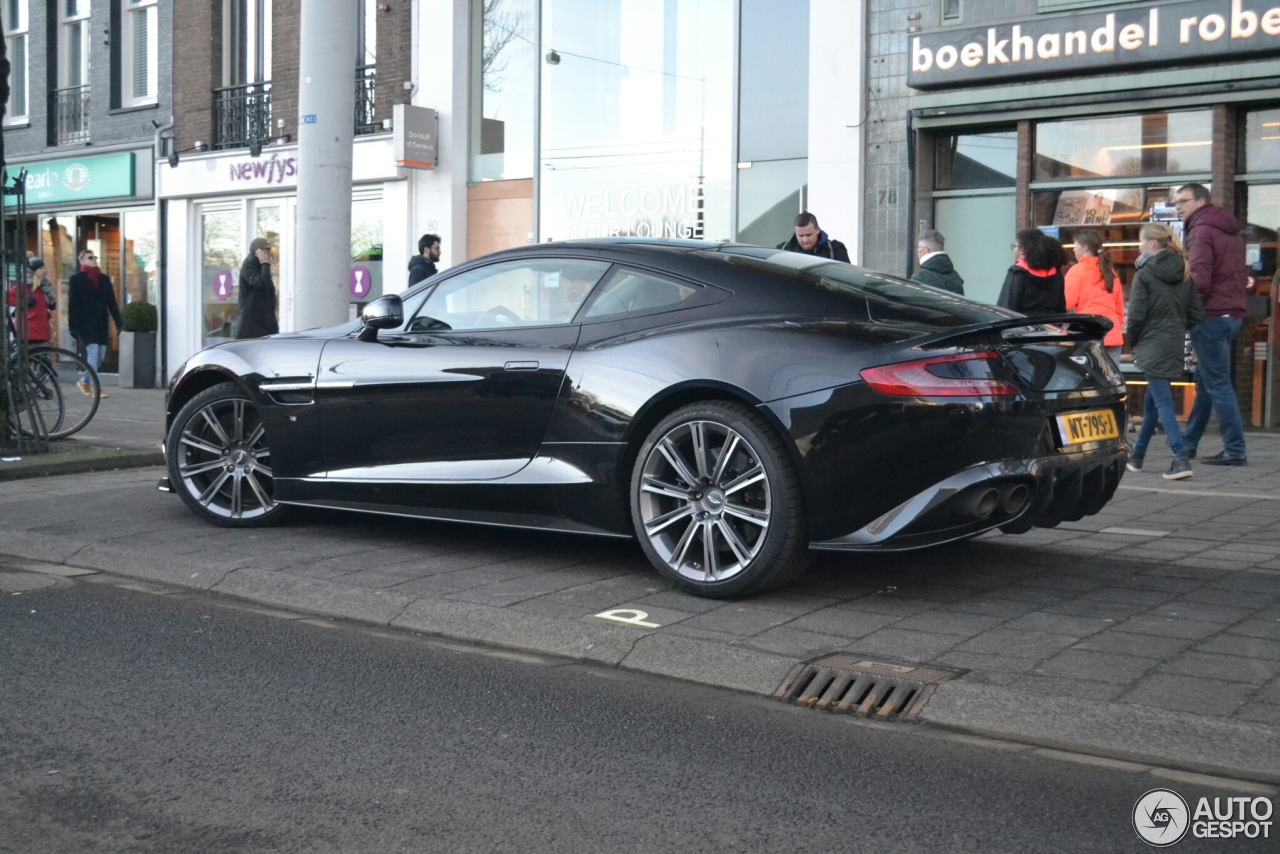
x: 957, y: 375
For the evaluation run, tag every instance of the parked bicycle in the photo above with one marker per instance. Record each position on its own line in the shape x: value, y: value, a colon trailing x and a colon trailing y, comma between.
x: 64, y: 389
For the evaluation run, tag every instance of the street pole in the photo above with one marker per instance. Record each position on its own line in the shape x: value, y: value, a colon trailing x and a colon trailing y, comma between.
x: 326, y: 125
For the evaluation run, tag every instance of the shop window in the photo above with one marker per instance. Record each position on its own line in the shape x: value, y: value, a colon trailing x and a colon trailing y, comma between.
x: 770, y: 194
x: 504, y: 81
x: 365, y: 283
x: 138, y: 54
x: 15, y: 36
x: 624, y: 151
x: 976, y: 160
x: 222, y: 247
x: 1262, y: 141
x: 1114, y: 146
x: 773, y: 62
x: 140, y: 257
x: 1260, y: 220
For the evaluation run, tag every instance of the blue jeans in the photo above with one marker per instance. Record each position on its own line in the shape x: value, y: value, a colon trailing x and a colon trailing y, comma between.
x: 1158, y: 406
x: 1213, y: 342
x: 93, y: 354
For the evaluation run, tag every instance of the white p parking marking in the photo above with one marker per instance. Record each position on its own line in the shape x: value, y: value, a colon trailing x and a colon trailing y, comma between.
x: 630, y: 616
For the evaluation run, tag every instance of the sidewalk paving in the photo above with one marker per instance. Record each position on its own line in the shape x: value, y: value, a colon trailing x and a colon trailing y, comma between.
x: 1150, y: 631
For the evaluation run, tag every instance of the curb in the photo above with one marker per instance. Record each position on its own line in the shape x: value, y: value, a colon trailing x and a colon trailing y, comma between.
x: 78, y: 460
x: 1235, y: 749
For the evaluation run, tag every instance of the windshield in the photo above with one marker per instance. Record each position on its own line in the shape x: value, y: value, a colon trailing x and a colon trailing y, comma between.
x: 887, y: 298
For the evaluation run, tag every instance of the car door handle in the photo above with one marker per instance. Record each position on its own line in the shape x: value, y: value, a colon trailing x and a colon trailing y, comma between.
x: 521, y: 366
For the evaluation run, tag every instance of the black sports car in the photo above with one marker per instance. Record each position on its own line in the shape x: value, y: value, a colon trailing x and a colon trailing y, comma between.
x: 731, y: 407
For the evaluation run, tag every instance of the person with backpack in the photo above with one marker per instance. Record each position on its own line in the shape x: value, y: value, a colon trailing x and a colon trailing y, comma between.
x: 1093, y: 287
x: 1163, y: 306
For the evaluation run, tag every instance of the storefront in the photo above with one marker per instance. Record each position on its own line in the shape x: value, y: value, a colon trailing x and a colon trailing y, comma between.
x: 1093, y: 120
x: 99, y: 202
x: 216, y: 204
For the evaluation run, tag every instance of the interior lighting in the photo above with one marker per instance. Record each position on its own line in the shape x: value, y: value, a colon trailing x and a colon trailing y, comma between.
x: 1157, y: 145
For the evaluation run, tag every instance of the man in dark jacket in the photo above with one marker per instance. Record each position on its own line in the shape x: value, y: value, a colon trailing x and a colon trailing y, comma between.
x: 936, y: 269
x: 812, y: 240
x: 91, y: 298
x: 1213, y: 241
x: 423, y: 265
x: 257, y: 293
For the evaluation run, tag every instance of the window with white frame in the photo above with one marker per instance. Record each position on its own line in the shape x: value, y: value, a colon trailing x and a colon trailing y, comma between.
x: 247, y: 40
x: 138, y: 52
x: 73, y: 53
x: 15, y: 36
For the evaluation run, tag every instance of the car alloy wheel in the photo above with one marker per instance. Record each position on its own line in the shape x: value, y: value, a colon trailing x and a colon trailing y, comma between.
x: 219, y: 459
x: 705, y: 501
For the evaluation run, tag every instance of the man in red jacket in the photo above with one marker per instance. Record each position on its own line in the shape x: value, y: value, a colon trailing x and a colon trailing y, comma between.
x: 1213, y: 241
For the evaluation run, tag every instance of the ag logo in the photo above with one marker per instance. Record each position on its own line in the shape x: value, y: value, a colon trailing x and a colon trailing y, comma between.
x: 76, y: 176
x: 1160, y: 817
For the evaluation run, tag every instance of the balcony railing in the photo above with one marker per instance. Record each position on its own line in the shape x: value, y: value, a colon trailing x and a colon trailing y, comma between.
x: 366, y: 83
x: 71, y: 115
x: 241, y: 115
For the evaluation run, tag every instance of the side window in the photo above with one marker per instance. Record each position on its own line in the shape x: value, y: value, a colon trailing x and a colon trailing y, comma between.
x: 509, y: 295
x: 633, y: 292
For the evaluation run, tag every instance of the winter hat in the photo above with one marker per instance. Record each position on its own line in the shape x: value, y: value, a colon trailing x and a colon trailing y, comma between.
x: 34, y: 264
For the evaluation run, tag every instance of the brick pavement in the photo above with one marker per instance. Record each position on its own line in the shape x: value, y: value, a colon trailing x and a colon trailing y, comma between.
x: 1168, y: 600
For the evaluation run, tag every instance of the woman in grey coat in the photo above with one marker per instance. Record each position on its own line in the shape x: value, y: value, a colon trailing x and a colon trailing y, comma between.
x: 1163, y: 305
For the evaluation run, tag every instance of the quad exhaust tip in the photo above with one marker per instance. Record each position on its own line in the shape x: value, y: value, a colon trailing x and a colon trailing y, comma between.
x: 1013, y: 497
x: 978, y: 503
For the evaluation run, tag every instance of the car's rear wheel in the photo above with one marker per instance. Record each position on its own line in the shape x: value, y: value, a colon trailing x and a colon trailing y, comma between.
x: 717, y: 504
x: 220, y: 462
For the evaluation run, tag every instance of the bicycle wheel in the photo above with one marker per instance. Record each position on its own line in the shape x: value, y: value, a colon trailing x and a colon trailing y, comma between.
x: 45, y: 396
x: 79, y: 406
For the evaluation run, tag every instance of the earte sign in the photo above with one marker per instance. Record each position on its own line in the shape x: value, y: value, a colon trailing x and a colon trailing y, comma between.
x: 1144, y: 35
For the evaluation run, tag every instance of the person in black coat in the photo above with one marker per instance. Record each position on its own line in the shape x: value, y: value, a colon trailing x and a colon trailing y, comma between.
x: 257, y: 293
x: 810, y: 239
x: 423, y: 265
x: 1034, y: 284
x: 91, y: 298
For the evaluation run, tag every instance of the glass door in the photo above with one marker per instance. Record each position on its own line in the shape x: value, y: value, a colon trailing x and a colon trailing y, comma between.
x: 267, y: 219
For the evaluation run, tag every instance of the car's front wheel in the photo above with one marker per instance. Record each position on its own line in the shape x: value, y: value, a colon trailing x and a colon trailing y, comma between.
x: 717, y: 504
x: 219, y: 460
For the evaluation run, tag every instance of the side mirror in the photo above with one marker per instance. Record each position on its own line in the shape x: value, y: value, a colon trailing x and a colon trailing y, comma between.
x: 383, y: 313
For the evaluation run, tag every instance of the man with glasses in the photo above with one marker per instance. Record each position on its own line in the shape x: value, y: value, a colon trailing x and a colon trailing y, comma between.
x: 1213, y: 242
x: 90, y: 299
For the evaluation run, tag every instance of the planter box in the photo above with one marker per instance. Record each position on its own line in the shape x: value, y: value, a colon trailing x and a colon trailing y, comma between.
x: 138, y: 359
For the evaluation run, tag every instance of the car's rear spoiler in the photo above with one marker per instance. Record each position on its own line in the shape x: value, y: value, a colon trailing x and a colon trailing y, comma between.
x: 1053, y: 327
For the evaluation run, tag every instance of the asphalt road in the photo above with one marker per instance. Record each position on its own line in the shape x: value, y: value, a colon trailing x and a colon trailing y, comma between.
x: 176, y: 723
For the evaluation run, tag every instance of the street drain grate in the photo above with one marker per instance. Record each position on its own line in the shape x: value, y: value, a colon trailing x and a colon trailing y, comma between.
x: 869, y: 689
x: 24, y: 582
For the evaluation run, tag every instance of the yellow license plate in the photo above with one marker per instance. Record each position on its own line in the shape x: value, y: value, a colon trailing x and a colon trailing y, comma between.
x: 1096, y: 425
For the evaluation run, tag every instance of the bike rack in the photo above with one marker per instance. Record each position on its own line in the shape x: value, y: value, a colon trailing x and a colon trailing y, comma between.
x: 18, y: 388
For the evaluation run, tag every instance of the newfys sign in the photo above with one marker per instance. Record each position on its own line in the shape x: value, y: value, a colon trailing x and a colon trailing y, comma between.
x: 76, y: 179
x: 1138, y: 35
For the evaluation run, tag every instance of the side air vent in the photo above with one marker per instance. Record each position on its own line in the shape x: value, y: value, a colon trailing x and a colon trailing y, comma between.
x: 869, y: 689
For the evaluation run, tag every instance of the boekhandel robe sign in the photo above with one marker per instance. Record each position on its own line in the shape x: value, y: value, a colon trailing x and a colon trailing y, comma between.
x: 1143, y: 35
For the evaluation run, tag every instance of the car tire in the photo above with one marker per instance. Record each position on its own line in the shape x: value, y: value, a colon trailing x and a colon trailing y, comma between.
x: 713, y: 526
x: 219, y: 460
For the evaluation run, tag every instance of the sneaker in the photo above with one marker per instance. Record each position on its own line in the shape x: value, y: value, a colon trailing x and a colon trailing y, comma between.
x: 1135, y: 463
x: 101, y: 394
x: 1223, y: 460
x: 84, y: 387
x: 1179, y: 469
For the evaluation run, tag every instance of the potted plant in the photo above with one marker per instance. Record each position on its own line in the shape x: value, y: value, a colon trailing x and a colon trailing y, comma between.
x: 138, y: 346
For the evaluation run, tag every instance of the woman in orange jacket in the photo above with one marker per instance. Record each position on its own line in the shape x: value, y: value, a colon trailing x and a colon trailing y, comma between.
x: 1093, y: 287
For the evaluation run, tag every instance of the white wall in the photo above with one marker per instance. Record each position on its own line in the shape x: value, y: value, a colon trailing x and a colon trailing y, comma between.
x: 837, y: 62
x: 437, y: 198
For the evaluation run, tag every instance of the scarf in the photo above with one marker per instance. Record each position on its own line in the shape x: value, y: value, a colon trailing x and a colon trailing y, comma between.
x: 93, y: 273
